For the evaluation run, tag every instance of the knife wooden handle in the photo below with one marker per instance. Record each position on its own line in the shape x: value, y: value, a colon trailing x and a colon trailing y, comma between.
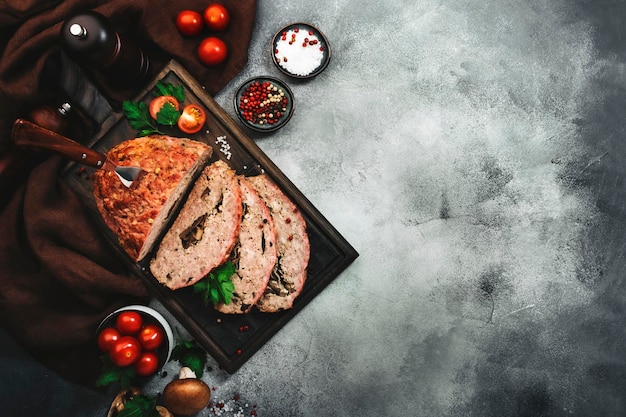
x: 29, y: 135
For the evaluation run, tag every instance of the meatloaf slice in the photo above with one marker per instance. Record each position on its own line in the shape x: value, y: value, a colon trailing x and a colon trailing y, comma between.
x: 292, y: 245
x: 204, y: 232
x: 254, y: 254
x: 137, y: 215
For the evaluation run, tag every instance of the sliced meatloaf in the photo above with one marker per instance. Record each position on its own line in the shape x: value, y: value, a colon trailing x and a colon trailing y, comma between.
x: 204, y: 232
x: 254, y: 254
x: 136, y: 215
x: 292, y: 245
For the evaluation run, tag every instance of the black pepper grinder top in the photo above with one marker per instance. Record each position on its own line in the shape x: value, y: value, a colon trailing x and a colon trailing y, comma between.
x: 90, y: 39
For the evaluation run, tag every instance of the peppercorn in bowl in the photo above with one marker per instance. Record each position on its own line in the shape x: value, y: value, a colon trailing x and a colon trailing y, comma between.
x: 300, y: 50
x: 264, y: 104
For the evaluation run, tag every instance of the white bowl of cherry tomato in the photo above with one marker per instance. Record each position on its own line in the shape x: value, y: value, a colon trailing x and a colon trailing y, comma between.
x: 136, y: 336
x: 264, y: 104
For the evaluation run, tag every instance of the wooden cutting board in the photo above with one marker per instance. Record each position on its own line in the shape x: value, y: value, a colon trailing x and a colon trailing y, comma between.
x: 221, y: 334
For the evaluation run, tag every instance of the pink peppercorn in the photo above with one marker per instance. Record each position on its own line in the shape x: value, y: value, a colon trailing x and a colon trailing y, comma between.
x: 263, y: 103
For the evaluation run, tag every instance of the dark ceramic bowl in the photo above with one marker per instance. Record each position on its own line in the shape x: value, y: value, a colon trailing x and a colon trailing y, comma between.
x: 300, y: 50
x: 264, y: 104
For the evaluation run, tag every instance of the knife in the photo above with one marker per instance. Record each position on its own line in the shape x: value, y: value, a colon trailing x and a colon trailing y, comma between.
x: 29, y: 135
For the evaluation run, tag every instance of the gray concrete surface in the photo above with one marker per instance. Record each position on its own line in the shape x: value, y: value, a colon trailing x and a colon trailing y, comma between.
x: 472, y: 153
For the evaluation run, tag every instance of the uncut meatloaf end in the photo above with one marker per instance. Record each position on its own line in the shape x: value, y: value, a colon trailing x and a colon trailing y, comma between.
x: 254, y: 255
x: 204, y: 231
x: 292, y: 245
x: 136, y: 215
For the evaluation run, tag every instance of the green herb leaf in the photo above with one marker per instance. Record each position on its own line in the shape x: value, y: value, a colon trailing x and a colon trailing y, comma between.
x: 168, y: 115
x: 203, y: 288
x: 138, y: 116
x: 189, y: 354
x: 167, y: 89
x: 213, y: 295
x: 111, y: 373
x: 139, y: 406
x: 217, y: 287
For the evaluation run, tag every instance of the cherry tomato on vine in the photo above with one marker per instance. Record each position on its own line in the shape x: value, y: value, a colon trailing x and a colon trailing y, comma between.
x: 125, y: 351
x: 216, y: 16
x: 150, y: 337
x: 107, y: 337
x: 129, y: 322
x: 212, y: 51
x: 189, y: 22
x: 147, y: 364
x: 192, y: 119
x: 157, y: 104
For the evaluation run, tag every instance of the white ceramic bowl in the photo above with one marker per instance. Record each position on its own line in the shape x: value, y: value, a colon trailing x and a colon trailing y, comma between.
x: 300, y: 50
x: 149, y: 315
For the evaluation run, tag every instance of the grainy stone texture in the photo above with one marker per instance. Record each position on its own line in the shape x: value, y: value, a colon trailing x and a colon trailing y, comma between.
x: 471, y: 151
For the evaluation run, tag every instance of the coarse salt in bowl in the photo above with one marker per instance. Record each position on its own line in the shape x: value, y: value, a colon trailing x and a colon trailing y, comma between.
x: 300, y: 50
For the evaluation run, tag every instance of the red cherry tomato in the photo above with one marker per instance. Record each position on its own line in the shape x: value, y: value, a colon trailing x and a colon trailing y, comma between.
x: 192, y: 119
x: 129, y: 322
x: 107, y: 337
x: 212, y: 51
x: 125, y: 351
x: 147, y: 364
x: 189, y: 22
x: 216, y: 16
x: 150, y: 337
x: 157, y: 104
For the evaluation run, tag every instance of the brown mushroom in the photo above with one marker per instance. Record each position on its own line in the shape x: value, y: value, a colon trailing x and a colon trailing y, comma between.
x: 163, y: 412
x: 187, y: 395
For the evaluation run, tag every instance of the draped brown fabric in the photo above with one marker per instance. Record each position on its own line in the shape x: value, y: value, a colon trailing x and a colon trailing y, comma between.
x: 58, y: 278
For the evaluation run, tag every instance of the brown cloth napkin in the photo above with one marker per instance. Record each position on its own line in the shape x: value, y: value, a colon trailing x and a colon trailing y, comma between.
x: 58, y: 279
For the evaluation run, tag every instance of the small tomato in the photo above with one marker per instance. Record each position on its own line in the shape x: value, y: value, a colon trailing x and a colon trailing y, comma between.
x: 157, y: 104
x: 216, y: 16
x: 150, y: 337
x: 107, y: 337
x: 125, y: 351
x: 212, y: 51
x: 192, y: 119
x: 147, y: 364
x: 129, y: 322
x: 189, y: 22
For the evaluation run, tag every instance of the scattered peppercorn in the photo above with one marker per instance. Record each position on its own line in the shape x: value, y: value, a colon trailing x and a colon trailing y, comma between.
x: 230, y: 406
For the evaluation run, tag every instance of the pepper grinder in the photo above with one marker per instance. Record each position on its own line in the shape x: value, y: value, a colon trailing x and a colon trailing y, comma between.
x: 90, y: 39
x: 64, y: 118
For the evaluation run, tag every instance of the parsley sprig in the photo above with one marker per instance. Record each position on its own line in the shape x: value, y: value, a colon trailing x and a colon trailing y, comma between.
x: 189, y: 354
x: 167, y: 89
x: 138, y: 113
x: 139, y: 118
x: 139, y: 406
x: 168, y: 115
x: 217, y: 287
x: 111, y: 373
